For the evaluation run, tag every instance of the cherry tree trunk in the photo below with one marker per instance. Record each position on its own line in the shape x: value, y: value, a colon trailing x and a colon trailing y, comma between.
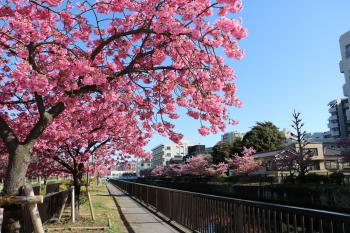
x: 14, y: 180
x: 17, y: 169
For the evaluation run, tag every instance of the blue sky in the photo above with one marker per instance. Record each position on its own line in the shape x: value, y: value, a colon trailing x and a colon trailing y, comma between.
x: 292, y: 62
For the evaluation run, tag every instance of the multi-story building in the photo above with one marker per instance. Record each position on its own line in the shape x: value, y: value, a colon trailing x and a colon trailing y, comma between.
x: 143, y: 164
x: 164, y: 153
x: 199, y: 150
x: 288, y: 136
x: 338, y: 123
x: 231, y: 136
x: 344, y: 65
x: 320, y: 137
x: 196, y: 150
x: 124, y: 167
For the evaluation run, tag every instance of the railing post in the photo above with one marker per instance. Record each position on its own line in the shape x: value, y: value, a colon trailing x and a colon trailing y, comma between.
x: 73, y: 205
x: 147, y: 195
x: 170, y: 206
x: 157, y: 199
x: 1, y: 217
x: 239, y: 217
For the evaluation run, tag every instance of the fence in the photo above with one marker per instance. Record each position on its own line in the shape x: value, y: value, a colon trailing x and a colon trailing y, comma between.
x: 51, y: 206
x: 215, y: 214
x: 50, y: 188
x: 329, y: 197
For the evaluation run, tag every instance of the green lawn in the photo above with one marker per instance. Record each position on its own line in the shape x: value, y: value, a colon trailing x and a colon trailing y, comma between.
x: 104, y: 208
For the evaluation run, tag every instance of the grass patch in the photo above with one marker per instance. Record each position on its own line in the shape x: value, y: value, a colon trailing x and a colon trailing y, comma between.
x: 104, y: 208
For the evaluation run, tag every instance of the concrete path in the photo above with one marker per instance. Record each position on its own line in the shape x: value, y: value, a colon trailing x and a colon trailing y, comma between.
x: 135, y: 217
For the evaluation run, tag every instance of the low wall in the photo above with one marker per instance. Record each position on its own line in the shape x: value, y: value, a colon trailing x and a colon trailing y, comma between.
x: 327, y: 197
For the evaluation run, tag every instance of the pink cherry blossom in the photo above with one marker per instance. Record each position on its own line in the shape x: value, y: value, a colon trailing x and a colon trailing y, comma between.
x: 125, y: 72
x: 245, y: 163
x: 194, y: 166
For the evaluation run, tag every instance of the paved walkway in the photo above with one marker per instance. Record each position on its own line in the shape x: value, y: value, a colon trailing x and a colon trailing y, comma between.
x: 135, y: 217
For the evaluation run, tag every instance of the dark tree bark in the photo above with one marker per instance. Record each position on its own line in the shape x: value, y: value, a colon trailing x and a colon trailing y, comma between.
x: 19, y: 159
x: 16, y: 170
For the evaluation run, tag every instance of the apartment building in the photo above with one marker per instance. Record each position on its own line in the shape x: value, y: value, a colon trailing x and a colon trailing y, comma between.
x: 338, y: 123
x: 199, y: 150
x: 231, y: 136
x: 163, y: 154
x: 326, y: 160
x: 344, y: 65
x: 143, y: 164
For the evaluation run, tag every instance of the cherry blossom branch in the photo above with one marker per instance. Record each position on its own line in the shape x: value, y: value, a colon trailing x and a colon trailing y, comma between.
x: 105, y: 42
x: 45, y: 119
x: 63, y: 163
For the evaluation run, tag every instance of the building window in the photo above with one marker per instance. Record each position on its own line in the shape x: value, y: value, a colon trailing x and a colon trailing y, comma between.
x: 315, y: 165
x: 331, y: 164
x: 313, y: 151
x: 168, y: 148
x: 346, y: 165
x: 347, y: 51
x: 168, y: 154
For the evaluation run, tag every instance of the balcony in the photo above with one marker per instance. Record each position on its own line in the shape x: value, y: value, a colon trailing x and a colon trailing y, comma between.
x: 332, y: 110
x: 341, y: 68
x: 346, y: 105
x: 335, y: 133
x: 333, y: 118
x: 333, y: 125
x: 346, y: 89
x: 348, y: 114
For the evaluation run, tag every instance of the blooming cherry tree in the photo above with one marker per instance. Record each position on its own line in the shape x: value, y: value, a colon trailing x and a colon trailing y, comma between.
x: 196, y: 166
x: 76, y: 146
x: 244, y: 164
x: 71, y: 58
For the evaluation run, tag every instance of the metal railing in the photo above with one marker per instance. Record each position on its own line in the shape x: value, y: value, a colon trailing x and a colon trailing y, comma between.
x: 216, y: 214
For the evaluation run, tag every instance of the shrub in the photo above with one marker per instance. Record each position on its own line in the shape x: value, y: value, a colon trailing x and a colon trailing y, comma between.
x: 248, y: 179
x: 337, y: 177
x: 65, y: 184
x: 312, y: 178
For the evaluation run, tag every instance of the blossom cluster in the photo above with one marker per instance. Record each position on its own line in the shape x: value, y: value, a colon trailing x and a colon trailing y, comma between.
x: 199, y: 166
x: 245, y: 163
x: 194, y: 166
x: 73, y: 73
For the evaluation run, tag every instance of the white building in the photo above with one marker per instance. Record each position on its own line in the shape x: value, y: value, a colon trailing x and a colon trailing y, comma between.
x: 231, y: 136
x: 164, y: 153
x: 319, y: 137
x: 338, y: 122
x: 288, y: 136
x: 143, y: 164
x: 344, y: 65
